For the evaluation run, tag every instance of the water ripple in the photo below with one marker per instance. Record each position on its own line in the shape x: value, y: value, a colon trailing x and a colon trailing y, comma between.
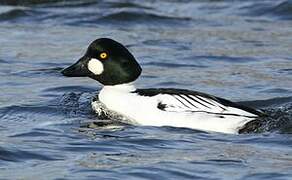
x: 119, y: 18
x: 14, y: 14
x: 20, y: 155
x: 240, y: 50
x: 172, y: 65
x: 282, y: 10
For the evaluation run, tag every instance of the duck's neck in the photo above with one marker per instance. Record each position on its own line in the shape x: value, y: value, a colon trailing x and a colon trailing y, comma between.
x: 129, y: 87
x: 109, y: 95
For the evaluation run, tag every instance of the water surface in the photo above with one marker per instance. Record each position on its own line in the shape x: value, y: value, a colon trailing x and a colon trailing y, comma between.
x: 233, y: 49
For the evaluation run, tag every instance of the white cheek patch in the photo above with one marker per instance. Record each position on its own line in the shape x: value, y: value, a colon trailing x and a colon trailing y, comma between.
x: 95, y: 66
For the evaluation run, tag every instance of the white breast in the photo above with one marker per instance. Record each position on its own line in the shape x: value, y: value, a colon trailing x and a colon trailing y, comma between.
x: 144, y: 111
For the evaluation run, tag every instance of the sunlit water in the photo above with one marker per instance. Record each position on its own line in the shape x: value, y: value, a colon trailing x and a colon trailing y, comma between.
x: 239, y: 50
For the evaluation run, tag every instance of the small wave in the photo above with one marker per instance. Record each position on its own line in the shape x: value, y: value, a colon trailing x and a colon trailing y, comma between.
x: 37, y: 132
x: 2, y: 61
x: 18, y: 13
x: 67, y: 101
x: 27, y: 2
x: 129, y: 12
x: 68, y: 3
x: 38, y: 72
x: 28, y: 114
x: 267, y: 175
x: 16, y: 155
x: 170, y: 84
x: 139, y: 17
x: 277, y: 90
x: 231, y: 162
x: 12, y: 14
x: 70, y: 89
x: 288, y: 71
x: 232, y: 59
x: 149, y: 76
x: 127, y: 5
x: 281, y: 10
x: 167, y: 43
x: 274, y: 102
x: 172, y: 65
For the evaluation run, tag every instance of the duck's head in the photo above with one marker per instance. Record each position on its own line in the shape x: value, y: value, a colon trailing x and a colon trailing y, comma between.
x: 106, y: 61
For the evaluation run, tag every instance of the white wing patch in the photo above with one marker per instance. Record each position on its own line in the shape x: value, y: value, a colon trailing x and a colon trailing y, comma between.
x: 196, y: 103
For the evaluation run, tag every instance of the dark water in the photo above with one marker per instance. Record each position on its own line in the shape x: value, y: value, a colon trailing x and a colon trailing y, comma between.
x: 240, y: 50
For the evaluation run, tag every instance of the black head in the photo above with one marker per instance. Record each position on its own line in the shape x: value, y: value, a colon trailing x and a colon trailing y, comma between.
x: 106, y: 61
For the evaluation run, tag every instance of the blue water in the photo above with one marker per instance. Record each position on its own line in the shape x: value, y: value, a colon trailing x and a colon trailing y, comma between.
x: 239, y: 50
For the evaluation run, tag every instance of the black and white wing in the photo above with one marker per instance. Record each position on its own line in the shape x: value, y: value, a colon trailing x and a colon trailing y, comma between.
x: 179, y: 100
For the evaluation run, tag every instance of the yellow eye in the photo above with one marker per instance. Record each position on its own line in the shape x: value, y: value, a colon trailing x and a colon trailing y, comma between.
x: 103, y: 55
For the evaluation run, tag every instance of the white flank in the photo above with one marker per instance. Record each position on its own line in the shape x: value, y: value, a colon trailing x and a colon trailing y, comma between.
x: 95, y: 66
x: 144, y: 111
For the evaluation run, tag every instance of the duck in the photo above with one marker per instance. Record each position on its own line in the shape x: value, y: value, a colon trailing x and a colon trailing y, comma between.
x: 114, y: 66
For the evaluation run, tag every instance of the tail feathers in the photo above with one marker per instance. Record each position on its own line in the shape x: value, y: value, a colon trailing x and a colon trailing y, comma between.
x: 251, y: 127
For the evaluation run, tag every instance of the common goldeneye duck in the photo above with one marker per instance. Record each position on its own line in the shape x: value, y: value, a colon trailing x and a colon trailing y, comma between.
x: 111, y: 64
